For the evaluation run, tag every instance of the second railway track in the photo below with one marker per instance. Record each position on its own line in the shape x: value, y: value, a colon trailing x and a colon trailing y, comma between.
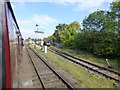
x: 48, y: 77
x: 89, y: 66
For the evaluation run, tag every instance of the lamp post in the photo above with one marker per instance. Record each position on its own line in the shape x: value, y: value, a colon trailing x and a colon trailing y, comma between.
x: 37, y: 31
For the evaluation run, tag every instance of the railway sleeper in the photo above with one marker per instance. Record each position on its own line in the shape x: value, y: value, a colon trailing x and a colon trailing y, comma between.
x: 45, y: 71
x: 52, y: 82
x: 55, y: 85
x: 53, y: 77
x: 100, y: 68
x: 47, y: 75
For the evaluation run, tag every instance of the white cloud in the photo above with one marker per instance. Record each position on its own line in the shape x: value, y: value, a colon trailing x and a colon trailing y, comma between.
x: 31, y: 33
x: 21, y: 4
x: 42, y: 20
x: 54, y: 0
x: 60, y: 1
x: 78, y: 4
x: 88, y: 5
x: 24, y: 22
x: 27, y: 33
x: 82, y: 5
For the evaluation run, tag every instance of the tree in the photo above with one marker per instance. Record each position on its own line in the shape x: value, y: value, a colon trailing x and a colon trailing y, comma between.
x: 101, y: 32
x: 58, y: 32
x: 115, y: 14
x: 29, y: 38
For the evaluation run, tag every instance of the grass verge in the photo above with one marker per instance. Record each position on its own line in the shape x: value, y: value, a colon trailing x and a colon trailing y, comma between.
x: 91, y: 58
x: 85, y: 79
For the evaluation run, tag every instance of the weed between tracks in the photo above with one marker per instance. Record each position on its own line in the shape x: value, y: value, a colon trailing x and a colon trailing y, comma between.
x: 85, y: 79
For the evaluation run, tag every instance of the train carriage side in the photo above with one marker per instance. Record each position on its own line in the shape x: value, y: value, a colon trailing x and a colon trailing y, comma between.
x: 1, y: 28
x: 10, y: 46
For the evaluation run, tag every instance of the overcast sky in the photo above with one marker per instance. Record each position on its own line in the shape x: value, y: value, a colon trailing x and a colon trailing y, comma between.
x: 49, y: 13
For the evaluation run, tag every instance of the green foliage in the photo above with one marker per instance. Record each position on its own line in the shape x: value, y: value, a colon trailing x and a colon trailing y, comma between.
x: 100, y: 34
x: 65, y: 33
x: 29, y: 38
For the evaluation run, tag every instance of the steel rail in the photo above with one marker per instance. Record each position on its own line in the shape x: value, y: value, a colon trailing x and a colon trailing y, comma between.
x: 35, y: 69
x: 90, y: 63
x: 54, y: 71
x: 105, y: 75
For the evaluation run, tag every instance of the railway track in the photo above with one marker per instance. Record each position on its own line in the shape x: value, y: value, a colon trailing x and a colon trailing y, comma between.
x: 27, y: 77
x: 48, y: 77
x: 90, y: 67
